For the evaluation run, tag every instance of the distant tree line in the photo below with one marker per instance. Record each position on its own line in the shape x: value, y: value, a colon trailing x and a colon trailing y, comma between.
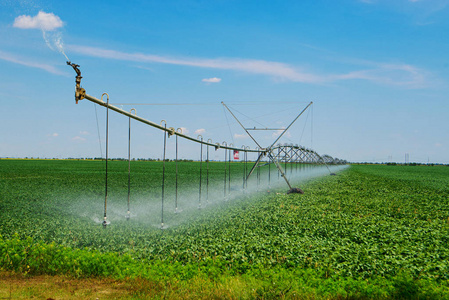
x: 401, y: 164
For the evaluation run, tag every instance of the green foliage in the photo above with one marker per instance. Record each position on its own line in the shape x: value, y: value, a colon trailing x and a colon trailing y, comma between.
x: 369, y: 232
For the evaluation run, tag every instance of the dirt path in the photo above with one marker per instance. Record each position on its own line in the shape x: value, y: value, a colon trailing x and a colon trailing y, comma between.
x: 17, y: 286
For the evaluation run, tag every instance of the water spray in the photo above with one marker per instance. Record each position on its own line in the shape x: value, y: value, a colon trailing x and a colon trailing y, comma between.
x: 54, y: 40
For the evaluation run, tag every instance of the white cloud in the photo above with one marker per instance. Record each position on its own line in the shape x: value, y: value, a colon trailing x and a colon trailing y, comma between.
x: 78, y: 139
x: 277, y: 133
x: 240, y: 136
x: 200, y: 131
x: 84, y: 133
x: 44, y: 21
x: 20, y: 61
x: 381, y: 73
x: 275, y: 69
x: 211, y: 80
x: 438, y: 145
x: 55, y: 134
x: 390, y: 74
x: 184, y: 130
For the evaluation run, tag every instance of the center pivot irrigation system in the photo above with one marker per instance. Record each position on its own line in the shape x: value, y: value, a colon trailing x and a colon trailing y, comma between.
x: 288, y: 154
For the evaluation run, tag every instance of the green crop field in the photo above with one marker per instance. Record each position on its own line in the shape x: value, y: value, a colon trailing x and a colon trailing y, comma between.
x: 372, y: 231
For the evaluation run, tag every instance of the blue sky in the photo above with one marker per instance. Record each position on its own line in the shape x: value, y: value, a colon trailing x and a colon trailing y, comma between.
x: 376, y: 70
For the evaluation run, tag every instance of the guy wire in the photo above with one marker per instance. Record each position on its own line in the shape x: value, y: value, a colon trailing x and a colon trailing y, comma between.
x: 229, y: 126
x: 98, y: 130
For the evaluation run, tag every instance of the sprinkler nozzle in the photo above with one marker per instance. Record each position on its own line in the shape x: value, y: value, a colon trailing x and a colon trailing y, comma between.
x: 79, y: 91
x: 104, y: 224
x: 128, y: 216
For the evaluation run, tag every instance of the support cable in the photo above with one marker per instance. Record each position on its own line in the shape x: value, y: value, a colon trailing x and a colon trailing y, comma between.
x: 252, y: 119
x: 98, y: 130
x: 170, y: 130
x: 304, y: 128
x: 229, y: 126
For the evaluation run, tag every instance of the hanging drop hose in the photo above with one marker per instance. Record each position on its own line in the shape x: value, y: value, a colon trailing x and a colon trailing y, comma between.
x: 201, y: 170
x: 279, y: 154
x: 290, y: 161
x: 129, y: 166
x: 105, y: 223
x: 285, y: 160
x: 246, y: 167
x: 244, y: 170
x: 225, y: 175
x: 128, y: 214
x: 163, y: 176
x: 207, y: 173
x: 176, y: 178
x: 229, y: 168
x: 296, y: 161
x: 269, y: 174
x: 258, y: 174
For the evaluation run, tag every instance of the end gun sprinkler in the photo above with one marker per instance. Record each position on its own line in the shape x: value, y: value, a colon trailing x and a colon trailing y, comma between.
x: 80, y: 93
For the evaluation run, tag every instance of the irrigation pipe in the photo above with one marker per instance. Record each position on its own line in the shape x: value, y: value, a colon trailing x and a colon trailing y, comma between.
x: 169, y: 130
